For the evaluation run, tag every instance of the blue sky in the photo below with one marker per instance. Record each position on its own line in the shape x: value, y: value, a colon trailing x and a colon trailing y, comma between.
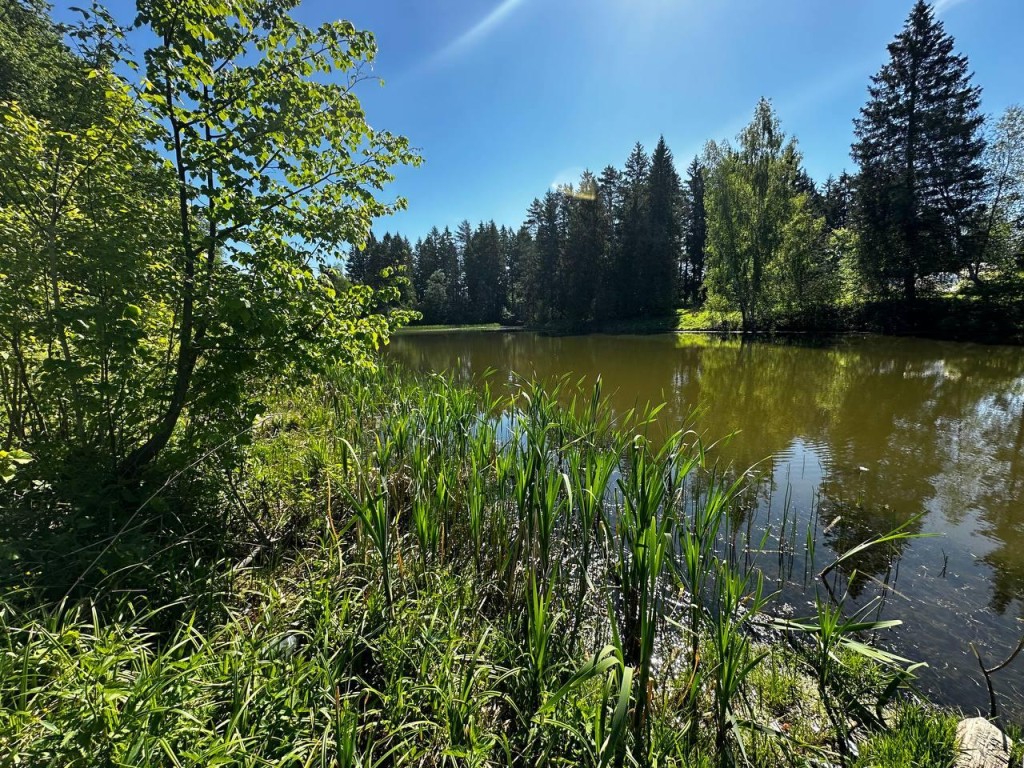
x: 506, y: 97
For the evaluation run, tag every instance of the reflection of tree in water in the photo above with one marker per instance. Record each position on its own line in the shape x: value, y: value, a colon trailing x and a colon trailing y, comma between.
x: 1002, y: 507
x: 937, y: 426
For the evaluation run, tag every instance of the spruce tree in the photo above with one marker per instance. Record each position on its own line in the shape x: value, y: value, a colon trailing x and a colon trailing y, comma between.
x: 482, y: 262
x: 545, y: 222
x: 919, y: 148
x: 583, y: 255
x: 426, y: 260
x: 838, y: 200
x: 633, y: 238
x: 660, y: 259
x: 696, y: 233
x: 610, y: 189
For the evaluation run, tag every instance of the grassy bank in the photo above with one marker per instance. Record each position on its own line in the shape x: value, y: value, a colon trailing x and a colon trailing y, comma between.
x: 440, y: 328
x: 996, y: 317
x: 436, y: 576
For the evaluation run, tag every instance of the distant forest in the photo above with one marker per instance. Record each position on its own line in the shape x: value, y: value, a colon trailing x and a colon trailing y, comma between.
x: 935, y: 210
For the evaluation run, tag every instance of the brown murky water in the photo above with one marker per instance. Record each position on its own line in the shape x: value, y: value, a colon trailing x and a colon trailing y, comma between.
x: 855, y: 436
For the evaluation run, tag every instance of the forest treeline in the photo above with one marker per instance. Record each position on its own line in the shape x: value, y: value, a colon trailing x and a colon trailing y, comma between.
x: 935, y: 208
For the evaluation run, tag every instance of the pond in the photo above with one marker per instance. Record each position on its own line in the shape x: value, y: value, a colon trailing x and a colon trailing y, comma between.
x: 854, y: 436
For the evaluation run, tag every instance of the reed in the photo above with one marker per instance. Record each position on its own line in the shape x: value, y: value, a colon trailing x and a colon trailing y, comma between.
x: 473, y: 577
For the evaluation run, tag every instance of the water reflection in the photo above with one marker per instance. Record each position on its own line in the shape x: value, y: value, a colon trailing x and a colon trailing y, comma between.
x: 867, y: 431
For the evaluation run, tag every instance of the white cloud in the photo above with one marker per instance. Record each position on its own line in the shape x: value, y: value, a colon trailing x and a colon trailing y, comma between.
x: 479, y: 31
x: 941, y: 6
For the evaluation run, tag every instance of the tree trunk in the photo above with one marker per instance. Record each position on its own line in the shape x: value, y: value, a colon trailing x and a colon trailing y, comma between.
x: 909, y: 286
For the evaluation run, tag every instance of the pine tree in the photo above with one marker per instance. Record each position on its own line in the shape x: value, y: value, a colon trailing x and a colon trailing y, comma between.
x: 633, y: 234
x: 358, y: 259
x: 583, y: 256
x: 838, y: 201
x: 545, y: 221
x: 609, y: 189
x: 518, y: 258
x: 448, y: 262
x: 696, y: 233
x: 399, y: 259
x: 660, y: 259
x: 426, y: 260
x: 482, y: 262
x: 919, y: 149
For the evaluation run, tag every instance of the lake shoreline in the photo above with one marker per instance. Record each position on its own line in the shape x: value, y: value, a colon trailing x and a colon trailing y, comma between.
x: 863, y: 431
x: 1009, y: 338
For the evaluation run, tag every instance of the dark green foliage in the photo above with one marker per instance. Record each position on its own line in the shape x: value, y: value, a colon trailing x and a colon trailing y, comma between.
x: 436, y: 269
x: 837, y: 203
x: 695, y: 235
x: 585, y: 255
x: 484, y: 267
x: 629, y: 256
x: 37, y: 68
x: 919, y: 149
x: 661, y: 256
x: 606, y: 249
x: 546, y: 222
x: 382, y: 265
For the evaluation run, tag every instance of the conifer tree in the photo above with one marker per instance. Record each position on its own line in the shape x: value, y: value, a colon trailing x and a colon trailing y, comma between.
x: 838, y: 200
x: 609, y: 189
x: 583, y: 256
x: 659, y: 260
x: 482, y: 262
x: 696, y: 233
x: 919, y: 148
x: 633, y: 233
x: 426, y: 260
x: 544, y: 220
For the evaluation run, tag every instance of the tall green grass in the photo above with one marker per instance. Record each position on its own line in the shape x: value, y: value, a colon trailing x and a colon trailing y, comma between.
x: 471, y: 578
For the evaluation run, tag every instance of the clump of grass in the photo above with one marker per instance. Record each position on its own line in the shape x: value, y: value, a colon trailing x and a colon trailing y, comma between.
x: 707, y: 320
x: 919, y: 738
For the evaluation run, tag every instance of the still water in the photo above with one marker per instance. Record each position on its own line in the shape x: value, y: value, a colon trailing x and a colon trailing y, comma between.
x: 854, y: 436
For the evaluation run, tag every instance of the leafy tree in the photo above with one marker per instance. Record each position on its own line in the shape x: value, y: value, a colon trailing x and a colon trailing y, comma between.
x: 807, y: 282
x: 434, y: 305
x: 763, y: 237
x: 1003, y: 232
x: 748, y: 197
x: 919, y: 149
x: 164, y: 239
x: 85, y: 234
x: 275, y: 168
x: 38, y: 69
